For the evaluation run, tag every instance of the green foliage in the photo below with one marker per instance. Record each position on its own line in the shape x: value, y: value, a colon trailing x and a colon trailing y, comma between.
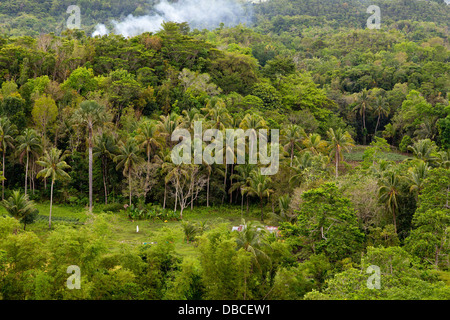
x: 327, y: 224
x: 311, y: 69
x: 405, y: 143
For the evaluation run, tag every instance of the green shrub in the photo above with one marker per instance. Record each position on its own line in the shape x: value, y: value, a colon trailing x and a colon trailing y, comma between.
x: 113, y: 207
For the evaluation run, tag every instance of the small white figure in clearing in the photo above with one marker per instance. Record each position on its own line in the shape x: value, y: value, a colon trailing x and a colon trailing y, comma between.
x: 137, y: 228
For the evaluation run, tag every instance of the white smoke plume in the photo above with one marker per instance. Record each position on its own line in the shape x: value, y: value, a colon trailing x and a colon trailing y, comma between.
x: 199, y: 14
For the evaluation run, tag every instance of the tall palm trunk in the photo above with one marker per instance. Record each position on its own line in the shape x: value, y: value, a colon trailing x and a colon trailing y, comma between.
x: 225, y: 183
x: 91, y: 161
x: 337, y: 160
x: 26, y: 175
x: 176, y: 199
x: 129, y: 183
x: 364, y: 125
x: 4, y: 174
x: 147, y: 177
x: 165, y: 195
x: 395, y: 219
x: 51, y: 204
x: 376, y: 127
x: 104, y: 180
x: 242, y: 204
x: 207, y: 190
x: 231, y: 183
x: 292, y: 153
x: 262, y: 211
x: 247, y: 204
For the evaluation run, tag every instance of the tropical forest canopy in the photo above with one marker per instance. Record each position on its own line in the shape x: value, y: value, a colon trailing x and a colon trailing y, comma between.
x: 364, y: 177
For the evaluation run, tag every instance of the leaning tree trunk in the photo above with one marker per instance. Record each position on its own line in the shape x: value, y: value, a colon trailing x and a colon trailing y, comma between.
x: 104, y: 181
x: 51, y: 203
x: 376, y: 127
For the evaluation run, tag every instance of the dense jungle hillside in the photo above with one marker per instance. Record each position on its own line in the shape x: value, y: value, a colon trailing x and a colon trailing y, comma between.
x: 88, y: 131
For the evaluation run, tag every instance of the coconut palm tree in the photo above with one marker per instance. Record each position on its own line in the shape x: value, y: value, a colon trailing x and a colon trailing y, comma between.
x: 253, y: 123
x: 364, y: 103
x: 241, y: 175
x: 291, y: 138
x: 90, y: 115
x: 314, y: 143
x: 381, y: 108
x: 148, y: 140
x: 301, y: 164
x: 167, y: 125
x: 7, y: 133
x: 252, y: 239
x: 340, y: 141
x: 444, y: 159
x: 19, y: 206
x: 259, y: 186
x: 418, y: 174
x: 105, y: 149
x: 128, y: 158
x: 189, y: 117
x: 388, y: 194
x: 217, y: 114
x: 53, y: 165
x: 424, y: 150
x: 29, y: 142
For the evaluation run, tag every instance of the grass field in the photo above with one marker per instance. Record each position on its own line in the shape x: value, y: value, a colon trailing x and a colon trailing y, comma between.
x: 123, y: 230
x: 356, y: 154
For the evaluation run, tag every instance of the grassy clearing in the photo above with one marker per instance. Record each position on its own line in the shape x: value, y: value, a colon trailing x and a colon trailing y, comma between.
x: 123, y: 233
x: 356, y: 154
